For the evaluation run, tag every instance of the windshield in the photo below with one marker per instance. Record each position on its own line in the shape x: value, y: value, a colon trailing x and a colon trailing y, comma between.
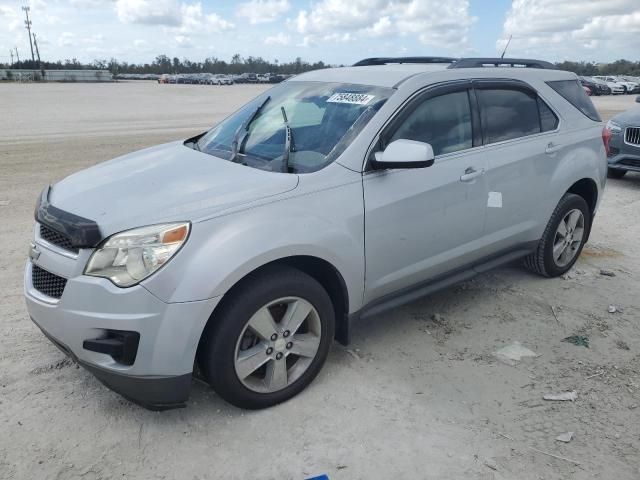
x: 320, y: 119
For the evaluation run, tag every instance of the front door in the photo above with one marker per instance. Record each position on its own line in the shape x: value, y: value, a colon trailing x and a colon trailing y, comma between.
x: 420, y: 223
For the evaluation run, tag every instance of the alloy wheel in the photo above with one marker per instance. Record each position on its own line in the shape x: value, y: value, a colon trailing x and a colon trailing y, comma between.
x: 568, y: 237
x: 277, y: 345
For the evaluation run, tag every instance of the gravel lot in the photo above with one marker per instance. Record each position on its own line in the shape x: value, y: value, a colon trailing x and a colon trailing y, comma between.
x: 419, y: 394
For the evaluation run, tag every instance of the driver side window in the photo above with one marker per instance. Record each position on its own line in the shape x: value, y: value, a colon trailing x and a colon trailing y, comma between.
x: 443, y: 121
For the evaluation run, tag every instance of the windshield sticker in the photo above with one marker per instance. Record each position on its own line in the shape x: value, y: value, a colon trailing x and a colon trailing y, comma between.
x: 352, y: 98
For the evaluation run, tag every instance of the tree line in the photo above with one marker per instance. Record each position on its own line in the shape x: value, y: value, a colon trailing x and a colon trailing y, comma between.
x: 239, y: 64
x: 165, y: 64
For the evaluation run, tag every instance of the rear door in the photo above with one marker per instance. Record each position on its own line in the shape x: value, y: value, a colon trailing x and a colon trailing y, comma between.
x: 521, y: 145
x: 420, y: 223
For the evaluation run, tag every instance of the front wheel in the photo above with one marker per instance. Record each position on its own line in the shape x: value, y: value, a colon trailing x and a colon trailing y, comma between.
x: 563, y: 238
x: 269, y: 339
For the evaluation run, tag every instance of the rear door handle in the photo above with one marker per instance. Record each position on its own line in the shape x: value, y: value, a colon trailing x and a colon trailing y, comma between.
x: 470, y: 174
x: 552, y: 148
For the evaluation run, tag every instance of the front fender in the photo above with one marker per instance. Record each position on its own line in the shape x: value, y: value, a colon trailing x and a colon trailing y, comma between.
x: 327, y: 224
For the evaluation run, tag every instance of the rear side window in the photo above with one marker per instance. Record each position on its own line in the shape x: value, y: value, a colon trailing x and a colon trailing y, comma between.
x: 508, y: 114
x: 572, y: 92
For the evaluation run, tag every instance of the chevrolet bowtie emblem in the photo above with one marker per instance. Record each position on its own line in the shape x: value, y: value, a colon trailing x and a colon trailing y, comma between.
x: 34, y: 253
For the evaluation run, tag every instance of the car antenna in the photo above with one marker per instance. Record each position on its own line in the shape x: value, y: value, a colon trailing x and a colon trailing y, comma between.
x: 506, y: 46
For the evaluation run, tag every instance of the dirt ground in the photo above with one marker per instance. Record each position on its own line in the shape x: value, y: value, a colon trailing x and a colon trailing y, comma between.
x: 419, y: 393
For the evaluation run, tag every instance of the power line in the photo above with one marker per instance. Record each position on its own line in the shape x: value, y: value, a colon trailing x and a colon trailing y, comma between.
x: 27, y: 23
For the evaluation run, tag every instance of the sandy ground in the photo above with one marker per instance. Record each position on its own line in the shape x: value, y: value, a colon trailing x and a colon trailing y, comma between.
x: 412, y: 398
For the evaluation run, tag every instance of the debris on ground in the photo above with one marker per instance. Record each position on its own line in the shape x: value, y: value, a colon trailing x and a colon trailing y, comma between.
x: 613, y: 309
x: 561, y: 397
x: 622, y: 345
x: 353, y: 354
x: 512, y: 354
x: 437, y: 318
x: 491, y: 463
x: 607, y: 273
x: 565, y: 437
x: 578, y: 340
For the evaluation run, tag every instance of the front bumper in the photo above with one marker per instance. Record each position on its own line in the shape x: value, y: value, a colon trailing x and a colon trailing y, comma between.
x: 625, y: 156
x: 154, y: 393
x: 90, y: 308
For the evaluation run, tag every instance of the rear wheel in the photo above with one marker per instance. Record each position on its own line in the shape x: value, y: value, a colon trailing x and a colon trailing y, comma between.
x: 270, y: 338
x: 615, y: 173
x: 563, y: 238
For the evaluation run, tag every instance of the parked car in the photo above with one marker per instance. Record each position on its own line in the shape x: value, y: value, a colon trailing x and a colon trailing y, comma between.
x: 263, y: 77
x: 632, y: 83
x: 595, y: 86
x: 617, y: 85
x: 163, y: 78
x: 221, y: 79
x: 624, y: 144
x: 234, y: 251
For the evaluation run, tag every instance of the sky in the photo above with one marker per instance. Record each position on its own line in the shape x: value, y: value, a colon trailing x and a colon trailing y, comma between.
x: 334, y: 31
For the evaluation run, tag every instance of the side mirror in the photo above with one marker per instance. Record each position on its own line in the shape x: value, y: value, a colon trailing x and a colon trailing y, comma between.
x: 404, y: 153
x: 638, y: 99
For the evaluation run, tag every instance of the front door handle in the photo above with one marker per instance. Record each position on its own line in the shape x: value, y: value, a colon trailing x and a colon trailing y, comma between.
x: 471, y: 174
x: 552, y: 148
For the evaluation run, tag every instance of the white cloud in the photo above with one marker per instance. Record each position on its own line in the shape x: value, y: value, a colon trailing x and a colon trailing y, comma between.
x: 184, y: 41
x: 278, y: 39
x: 433, y: 22
x: 149, y: 12
x: 10, y: 17
x: 185, y: 20
x: 194, y: 20
x: 263, y: 11
x: 559, y: 29
x: 66, y: 39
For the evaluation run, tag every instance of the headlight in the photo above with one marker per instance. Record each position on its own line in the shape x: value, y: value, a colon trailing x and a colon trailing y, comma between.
x: 614, y: 127
x: 129, y: 257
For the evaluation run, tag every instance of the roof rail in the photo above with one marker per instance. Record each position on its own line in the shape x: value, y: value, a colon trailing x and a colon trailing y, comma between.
x: 388, y: 60
x: 502, y: 62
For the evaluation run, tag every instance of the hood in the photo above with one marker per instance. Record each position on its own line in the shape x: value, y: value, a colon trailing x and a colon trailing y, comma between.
x: 169, y: 182
x: 629, y: 117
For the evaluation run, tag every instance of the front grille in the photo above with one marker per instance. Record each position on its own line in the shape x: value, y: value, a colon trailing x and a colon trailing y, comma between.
x: 46, y: 282
x: 56, y: 238
x: 632, y: 136
x: 630, y: 162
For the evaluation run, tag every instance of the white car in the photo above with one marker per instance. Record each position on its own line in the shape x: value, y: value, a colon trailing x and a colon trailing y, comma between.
x: 617, y: 85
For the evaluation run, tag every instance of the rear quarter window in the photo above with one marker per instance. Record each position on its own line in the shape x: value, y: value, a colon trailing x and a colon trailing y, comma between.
x: 572, y: 92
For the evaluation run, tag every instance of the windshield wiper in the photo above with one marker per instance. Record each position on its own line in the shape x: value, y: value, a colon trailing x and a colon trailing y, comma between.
x: 241, y: 134
x: 288, y: 142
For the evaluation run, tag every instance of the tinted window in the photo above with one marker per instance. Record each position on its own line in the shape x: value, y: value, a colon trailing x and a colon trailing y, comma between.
x: 444, y: 122
x: 548, y: 119
x: 573, y: 93
x: 508, y: 114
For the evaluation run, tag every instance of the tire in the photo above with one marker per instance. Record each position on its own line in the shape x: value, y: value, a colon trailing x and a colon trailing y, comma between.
x: 543, y: 261
x: 615, y: 173
x: 229, y: 339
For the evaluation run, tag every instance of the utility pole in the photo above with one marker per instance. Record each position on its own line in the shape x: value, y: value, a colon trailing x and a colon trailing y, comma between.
x: 27, y: 23
x: 17, y: 55
x: 11, y: 53
x: 35, y: 43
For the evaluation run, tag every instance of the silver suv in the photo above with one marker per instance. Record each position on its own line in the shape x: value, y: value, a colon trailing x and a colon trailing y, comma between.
x: 240, y: 254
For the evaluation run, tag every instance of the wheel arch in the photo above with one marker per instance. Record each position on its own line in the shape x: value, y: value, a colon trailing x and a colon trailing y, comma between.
x: 587, y: 189
x: 318, y: 268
